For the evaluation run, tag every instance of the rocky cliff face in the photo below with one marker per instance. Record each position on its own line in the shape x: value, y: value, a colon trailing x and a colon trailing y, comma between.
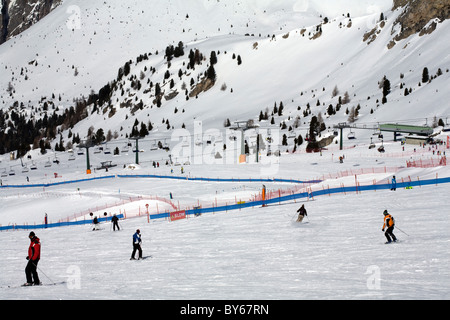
x: 419, y: 16
x: 400, y: 3
x: 17, y: 16
x: 4, y: 20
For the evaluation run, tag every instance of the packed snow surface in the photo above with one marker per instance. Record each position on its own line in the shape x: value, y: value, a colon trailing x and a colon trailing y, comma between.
x: 254, y: 253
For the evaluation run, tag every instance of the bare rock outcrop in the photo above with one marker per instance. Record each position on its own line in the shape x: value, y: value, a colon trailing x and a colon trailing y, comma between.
x: 419, y: 17
x: 17, y: 16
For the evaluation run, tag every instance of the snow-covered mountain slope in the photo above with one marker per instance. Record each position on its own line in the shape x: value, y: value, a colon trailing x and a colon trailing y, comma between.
x: 296, y: 52
x: 98, y: 37
x: 18, y: 15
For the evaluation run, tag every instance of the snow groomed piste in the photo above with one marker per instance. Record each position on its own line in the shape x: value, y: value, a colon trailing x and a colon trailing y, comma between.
x: 181, y: 214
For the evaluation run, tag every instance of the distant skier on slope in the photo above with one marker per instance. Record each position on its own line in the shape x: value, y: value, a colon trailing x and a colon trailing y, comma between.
x: 301, y: 213
x: 96, y: 223
x: 34, y: 255
x: 393, y: 184
x: 389, y: 223
x: 115, y: 222
x: 136, y: 245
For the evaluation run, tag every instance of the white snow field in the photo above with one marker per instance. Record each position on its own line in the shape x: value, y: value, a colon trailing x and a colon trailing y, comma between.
x: 254, y: 253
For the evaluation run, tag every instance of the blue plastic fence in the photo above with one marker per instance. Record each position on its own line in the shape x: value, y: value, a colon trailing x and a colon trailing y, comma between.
x: 242, y: 205
x: 46, y: 185
x: 305, y: 195
x: 217, y: 179
x: 56, y: 224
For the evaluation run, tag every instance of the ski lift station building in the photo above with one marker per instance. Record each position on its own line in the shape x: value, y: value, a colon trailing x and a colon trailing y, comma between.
x: 420, y: 131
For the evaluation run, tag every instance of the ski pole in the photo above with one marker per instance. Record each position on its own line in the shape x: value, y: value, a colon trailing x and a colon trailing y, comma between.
x: 402, y: 231
x: 44, y: 274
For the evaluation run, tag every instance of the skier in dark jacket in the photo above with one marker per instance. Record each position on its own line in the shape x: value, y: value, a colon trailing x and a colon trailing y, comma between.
x: 301, y: 213
x: 34, y: 255
x: 96, y: 224
x: 137, y: 244
x: 115, y: 222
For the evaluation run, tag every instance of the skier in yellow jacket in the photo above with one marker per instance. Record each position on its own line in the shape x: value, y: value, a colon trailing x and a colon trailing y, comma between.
x: 389, y: 224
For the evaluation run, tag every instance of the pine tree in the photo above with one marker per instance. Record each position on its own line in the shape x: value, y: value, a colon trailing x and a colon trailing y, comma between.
x: 99, y: 136
x: 386, y: 89
x: 179, y: 50
x: 352, y: 116
x: 143, y: 131
x: 169, y: 52
x: 211, y: 73
x: 213, y: 58
x: 314, y: 126
x: 335, y: 92
x: 126, y: 69
x: 157, y: 89
x: 425, y: 75
x: 346, y: 98
x: 191, y: 59
x: 299, y: 140
x: 280, y: 109
x: 330, y: 110
x: 284, y: 142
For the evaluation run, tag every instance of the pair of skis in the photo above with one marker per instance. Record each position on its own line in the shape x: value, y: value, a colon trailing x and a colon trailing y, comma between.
x: 35, y: 285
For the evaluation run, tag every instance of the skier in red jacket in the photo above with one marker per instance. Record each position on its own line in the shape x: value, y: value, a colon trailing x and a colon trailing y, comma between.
x: 34, y: 254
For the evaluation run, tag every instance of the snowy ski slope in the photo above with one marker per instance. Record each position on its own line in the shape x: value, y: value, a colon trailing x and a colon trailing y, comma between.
x: 254, y: 253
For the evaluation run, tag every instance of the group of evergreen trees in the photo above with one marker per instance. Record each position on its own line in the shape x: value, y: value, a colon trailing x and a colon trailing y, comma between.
x: 21, y: 132
x: 174, y: 52
x: 18, y: 132
x: 140, y: 129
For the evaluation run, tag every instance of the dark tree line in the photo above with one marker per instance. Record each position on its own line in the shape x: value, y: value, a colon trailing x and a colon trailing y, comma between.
x: 17, y: 132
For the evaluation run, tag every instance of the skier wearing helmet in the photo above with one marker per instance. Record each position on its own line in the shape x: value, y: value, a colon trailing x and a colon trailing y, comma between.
x: 389, y: 224
x: 34, y: 254
x: 136, y: 245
